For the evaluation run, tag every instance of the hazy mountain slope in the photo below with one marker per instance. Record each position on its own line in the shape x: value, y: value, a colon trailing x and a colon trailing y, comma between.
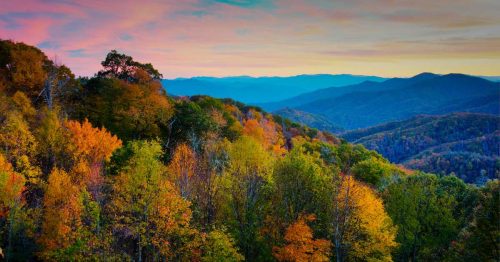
x: 337, y: 91
x: 491, y: 78
x: 410, y: 97
x: 464, y: 143
x: 258, y: 90
x: 308, y: 119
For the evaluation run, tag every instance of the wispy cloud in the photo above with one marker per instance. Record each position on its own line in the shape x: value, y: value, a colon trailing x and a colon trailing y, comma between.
x: 281, y: 37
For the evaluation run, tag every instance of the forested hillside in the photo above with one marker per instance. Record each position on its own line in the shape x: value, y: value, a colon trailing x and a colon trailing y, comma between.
x: 110, y: 168
x: 317, y: 121
x: 368, y: 104
x: 466, y: 144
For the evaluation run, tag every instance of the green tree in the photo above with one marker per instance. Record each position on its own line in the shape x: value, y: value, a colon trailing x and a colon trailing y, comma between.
x: 246, y: 180
x: 124, y: 67
x: 129, y: 110
x: 219, y: 246
x: 302, y: 186
x: 423, y: 214
x: 480, y: 239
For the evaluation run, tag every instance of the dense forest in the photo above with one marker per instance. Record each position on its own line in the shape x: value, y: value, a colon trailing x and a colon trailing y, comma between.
x: 111, y: 168
x: 466, y: 144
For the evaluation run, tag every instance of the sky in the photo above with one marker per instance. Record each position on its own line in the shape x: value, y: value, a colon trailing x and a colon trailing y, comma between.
x: 184, y: 38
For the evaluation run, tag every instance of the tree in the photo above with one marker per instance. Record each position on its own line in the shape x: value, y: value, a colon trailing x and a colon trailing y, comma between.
x: 182, y: 168
x: 16, y: 138
x: 374, y: 171
x: 11, y: 189
x: 190, y: 124
x: 62, y: 209
x: 23, y: 68
x: 300, y: 243
x: 52, y: 139
x: 302, y: 185
x: 129, y: 110
x: 11, y: 185
x: 252, y: 128
x: 208, y: 182
x: 480, y: 239
x: 219, y: 246
x: 423, y: 214
x: 361, y: 228
x: 124, y: 67
x: 248, y: 175
x: 91, y: 144
x: 59, y: 80
x: 147, y: 209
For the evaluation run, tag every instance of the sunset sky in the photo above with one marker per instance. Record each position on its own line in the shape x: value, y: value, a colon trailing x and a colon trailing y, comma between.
x: 284, y: 37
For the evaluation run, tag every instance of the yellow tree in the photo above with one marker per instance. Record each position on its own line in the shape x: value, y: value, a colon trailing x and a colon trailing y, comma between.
x: 147, y: 208
x: 362, y: 228
x: 52, y: 140
x: 301, y: 246
x: 182, y: 168
x: 16, y: 138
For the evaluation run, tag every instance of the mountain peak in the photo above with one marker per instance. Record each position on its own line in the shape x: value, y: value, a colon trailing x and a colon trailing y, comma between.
x: 425, y: 76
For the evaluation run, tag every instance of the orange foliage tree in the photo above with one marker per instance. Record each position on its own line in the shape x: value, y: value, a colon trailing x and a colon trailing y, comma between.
x: 90, y: 147
x: 62, y: 214
x: 252, y: 128
x: 300, y: 244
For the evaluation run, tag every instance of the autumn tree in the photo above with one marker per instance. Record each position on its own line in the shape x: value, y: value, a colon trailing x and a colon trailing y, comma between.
x: 219, y: 246
x: 11, y: 189
x: 300, y: 244
x: 62, y: 209
x: 90, y: 147
x: 182, y: 168
x: 302, y: 185
x: 126, y: 99
x: 208, y: 182
x: 16, y: 138
x: 59, y: 81
x: 252, y: 128
x: 22, y: 68
x: 361, y: 227
x: 52, y: 139
x: 149, y: 216
x: 246, y: 178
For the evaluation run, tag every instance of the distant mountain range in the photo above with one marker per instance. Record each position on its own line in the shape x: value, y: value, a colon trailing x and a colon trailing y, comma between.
x: 254, y: 90
x: 372, y: 103
x: 467, y: 144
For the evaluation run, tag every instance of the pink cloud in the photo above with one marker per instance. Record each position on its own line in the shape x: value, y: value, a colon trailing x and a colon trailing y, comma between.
x: 186, y: 38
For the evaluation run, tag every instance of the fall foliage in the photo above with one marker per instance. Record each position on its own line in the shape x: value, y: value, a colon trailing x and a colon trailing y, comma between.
x: 300, y: 244
x: 111, y: 168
